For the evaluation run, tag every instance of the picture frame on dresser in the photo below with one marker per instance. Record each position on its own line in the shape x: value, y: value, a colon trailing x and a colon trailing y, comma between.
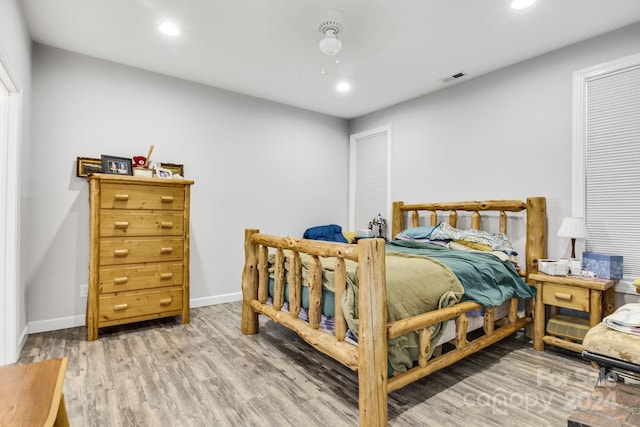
x: 175, y: 168
x: 86, y: 166
x: 163, y: 173
x: 116, y: 165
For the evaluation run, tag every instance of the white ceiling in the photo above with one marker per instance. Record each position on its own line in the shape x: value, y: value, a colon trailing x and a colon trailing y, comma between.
x: 394, y: 50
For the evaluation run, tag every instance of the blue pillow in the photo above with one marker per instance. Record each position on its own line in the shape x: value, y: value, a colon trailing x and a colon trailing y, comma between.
x: 328, y: 233
x: 419, y: 232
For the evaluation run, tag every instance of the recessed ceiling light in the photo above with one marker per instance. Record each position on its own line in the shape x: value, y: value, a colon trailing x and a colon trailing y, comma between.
x: 343, y: 87
x: 169, y: 29
x: 521, y: 4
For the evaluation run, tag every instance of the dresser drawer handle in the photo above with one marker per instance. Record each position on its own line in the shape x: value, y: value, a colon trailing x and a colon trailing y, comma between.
x: 166, y: 250
x: 563, y: 296
x: 122, y: 224
x: 122, y: 197
x: 120, y: 280
x: 166, y: 199
x: 166, y: 301
x: 166, y: 275
x: 120, y: 307
x: 166, y: 224
x: 121, y: 252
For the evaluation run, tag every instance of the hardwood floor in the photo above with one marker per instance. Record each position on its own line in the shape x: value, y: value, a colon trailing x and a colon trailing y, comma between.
x: 206, y: 373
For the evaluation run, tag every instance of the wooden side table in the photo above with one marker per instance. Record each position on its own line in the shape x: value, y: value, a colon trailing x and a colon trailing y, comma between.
x: 31, y: 394
x: 594, y: 296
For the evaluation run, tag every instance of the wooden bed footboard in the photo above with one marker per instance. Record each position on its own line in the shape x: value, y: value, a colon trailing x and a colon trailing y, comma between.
x: 370, y: 357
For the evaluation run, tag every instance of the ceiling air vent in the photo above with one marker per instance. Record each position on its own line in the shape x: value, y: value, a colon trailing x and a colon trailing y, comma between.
x: 453, y: 77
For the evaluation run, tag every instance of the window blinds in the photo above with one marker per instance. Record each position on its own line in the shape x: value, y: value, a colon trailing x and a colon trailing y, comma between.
x: 612, y: 166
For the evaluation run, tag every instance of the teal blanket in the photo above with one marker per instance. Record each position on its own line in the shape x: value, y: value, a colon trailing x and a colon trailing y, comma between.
x: 486, y: 279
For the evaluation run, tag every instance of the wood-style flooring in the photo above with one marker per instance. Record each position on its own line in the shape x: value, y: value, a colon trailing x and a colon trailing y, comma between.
x: 206, y: 373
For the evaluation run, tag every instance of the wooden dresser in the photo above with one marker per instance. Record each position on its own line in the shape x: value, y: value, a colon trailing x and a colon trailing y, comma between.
x: 139, y: 250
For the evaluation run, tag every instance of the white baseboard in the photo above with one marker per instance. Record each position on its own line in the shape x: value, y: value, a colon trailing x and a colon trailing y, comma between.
x: 55, y: 324
x: 218, y: 299
x: 79, y: 320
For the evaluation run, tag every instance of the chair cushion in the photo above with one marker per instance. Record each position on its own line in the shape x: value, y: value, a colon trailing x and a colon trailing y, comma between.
x: 607, y: 342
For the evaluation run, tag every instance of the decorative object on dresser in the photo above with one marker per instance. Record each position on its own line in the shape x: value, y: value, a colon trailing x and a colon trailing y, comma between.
x: 162, y: 173
x: 85, y: 166
x: 139, y: 250
x: 175, y: 168
x: 592, y: 295
x: 116, y: 165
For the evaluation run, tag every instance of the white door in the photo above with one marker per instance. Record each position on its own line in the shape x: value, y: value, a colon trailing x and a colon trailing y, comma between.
x: 370, y: 177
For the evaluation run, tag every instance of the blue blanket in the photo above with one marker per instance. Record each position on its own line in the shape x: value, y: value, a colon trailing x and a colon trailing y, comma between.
x: 328, y: 233
x: 486, y: 279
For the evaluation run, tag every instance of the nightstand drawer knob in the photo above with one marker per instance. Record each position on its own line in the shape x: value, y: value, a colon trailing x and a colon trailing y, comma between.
x: 120, y: 280
x: 563, y: 296
x: 166, y: 199
x: 166, y: 224
x: 121, y: 252
x: 121, y: 197
x: 166, y: 301
x: 167, y: 250
x: 122, y: 224
x: 166, y: 275
x: 120, y: 307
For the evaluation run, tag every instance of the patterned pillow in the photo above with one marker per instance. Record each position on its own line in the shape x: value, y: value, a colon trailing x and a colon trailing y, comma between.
x: 497, y: 241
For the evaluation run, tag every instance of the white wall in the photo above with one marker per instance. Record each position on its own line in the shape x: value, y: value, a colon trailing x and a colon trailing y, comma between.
x: 255, y: 164
x: 15, y: 47
x: 503, y: 135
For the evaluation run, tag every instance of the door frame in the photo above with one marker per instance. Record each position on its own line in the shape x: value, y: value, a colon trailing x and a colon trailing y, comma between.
x: 10, y: 143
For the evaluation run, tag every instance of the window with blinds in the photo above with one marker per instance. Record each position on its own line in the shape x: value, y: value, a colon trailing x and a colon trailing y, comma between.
x: 612, y: 165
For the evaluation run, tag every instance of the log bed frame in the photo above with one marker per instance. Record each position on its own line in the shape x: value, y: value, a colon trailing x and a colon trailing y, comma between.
x: 369, y: 357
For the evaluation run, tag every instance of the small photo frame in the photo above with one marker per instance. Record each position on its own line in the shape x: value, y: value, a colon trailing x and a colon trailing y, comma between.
x: 175, y: 168
x: 163, y: 173
x: 86, y: 166
x: 116, y: 165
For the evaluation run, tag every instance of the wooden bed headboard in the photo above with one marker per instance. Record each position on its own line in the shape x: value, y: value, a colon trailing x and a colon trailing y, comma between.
x: 535, y: 207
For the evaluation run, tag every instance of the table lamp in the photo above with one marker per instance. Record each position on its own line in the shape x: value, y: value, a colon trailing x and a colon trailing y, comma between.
x: 379, y: 222
x: 574, y: 228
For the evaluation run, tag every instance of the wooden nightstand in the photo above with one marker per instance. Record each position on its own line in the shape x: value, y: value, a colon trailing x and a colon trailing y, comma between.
x: 594, y: 296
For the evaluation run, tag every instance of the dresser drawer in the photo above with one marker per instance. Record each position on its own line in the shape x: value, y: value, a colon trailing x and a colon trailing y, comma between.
x: 118, y: 250
x: 140, y: 276
x: 566, y: 296
x: 127, y: 196
x: 132, y: 223
x: 125, y: 305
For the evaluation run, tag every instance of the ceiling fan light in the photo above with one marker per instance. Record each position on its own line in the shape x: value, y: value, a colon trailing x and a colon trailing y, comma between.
x: 169, y: 28
x: 330, y: 45
x: 343, y: 87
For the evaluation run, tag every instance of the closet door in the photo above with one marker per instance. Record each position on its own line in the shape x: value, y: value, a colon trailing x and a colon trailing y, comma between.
x: 370, y: 177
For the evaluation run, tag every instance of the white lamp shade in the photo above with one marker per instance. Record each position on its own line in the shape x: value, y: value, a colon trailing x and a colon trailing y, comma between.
x: 573, y: 227
x: 330, y: 44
